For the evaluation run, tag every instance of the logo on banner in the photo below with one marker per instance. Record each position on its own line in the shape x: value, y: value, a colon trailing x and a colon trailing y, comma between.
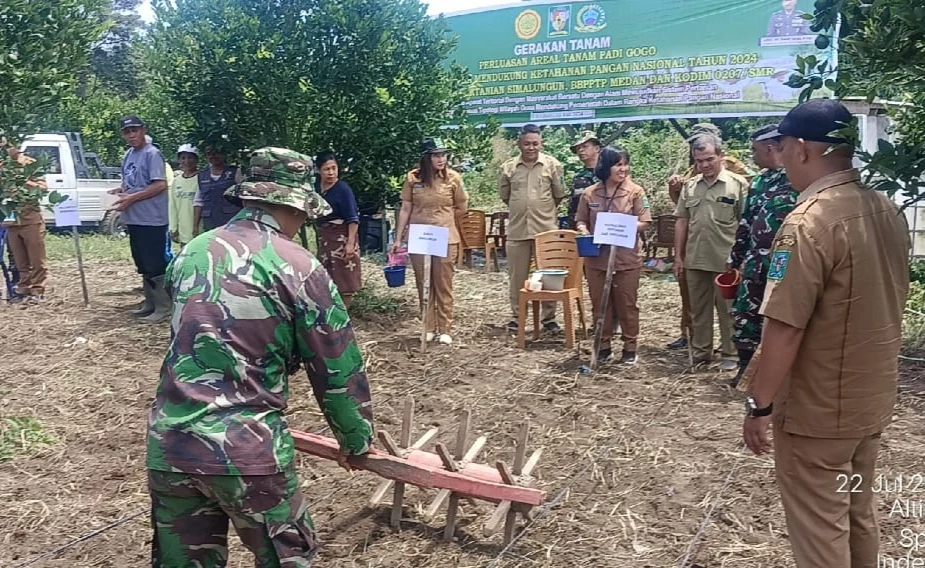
x: 591, y: 19
x: 528, y: 24
x: 559, y: 19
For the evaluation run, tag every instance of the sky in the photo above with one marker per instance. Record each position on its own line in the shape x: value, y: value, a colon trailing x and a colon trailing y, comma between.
x: 434, y: 6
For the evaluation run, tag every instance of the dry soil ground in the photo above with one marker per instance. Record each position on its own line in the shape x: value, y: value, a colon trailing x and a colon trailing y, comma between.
x: 636, y: 460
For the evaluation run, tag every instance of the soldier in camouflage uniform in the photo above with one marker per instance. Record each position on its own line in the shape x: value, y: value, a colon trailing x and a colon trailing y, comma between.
x: 250, y: 307
x: 770, y: 200
x: 588, y: 148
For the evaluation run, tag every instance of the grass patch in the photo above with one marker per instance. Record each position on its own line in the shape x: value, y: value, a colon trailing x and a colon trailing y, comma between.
x: 914, y: 319
x: 22, y: 437
x: 366, y: 302
x: 93, y: 247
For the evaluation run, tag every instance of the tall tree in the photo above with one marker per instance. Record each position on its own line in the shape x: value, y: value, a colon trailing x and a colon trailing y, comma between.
x: 881, y: 56
x: 44, y: 44
x: 113, y: 59
x: 366, y: 78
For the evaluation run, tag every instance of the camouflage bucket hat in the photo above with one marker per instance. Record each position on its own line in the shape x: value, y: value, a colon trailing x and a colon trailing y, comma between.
x: 704, y: 128
x: 283, y: 177
x: 585, y: 136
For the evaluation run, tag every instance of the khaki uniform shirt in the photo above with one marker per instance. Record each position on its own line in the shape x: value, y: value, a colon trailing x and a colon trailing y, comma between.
x: 839, y: 271
x: 29, y: 214
x: 731, y: 163
x: 629, y: 199
x: 532, y: 194
x: 437, y: 205
x: 713, y: 213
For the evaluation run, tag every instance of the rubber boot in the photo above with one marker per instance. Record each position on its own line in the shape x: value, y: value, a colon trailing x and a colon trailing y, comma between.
x: 147, y: 308
x: 161, y: 300
x: 745, y: 357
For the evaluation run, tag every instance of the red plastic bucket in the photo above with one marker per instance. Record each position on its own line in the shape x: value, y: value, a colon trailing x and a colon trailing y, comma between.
x: 728, y: 283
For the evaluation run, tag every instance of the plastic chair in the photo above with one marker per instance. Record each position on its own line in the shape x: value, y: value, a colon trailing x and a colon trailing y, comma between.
x: 555, y: 250
x: 664, y: 236
x: 472, y: 232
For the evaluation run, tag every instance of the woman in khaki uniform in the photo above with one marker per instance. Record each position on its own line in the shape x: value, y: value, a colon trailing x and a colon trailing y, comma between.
x: 617, y: 194
x: 433, y: 194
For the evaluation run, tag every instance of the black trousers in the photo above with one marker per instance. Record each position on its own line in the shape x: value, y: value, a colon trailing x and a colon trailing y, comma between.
x: 149, y: 249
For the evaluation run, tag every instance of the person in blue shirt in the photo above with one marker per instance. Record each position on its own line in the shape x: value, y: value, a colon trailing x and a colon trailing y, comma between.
x: 143, y: 205
x: 338, y: 247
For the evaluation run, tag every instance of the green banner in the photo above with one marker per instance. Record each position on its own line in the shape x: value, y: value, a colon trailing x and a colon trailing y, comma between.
x: 611, y: 60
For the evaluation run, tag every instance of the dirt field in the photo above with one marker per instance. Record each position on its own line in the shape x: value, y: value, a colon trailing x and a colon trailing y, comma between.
x: 635, y: 460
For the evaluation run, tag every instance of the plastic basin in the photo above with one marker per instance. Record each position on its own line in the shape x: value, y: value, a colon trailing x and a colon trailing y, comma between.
x: 553, y: 280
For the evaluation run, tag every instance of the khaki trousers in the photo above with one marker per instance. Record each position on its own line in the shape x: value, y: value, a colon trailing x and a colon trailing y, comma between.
x: 687, y: 326
x: 621, y: 304
x: 440, y: 308
x: 519, y: 254
x: 704, y: 298
x: 27, y: 244
x: 825, y: 486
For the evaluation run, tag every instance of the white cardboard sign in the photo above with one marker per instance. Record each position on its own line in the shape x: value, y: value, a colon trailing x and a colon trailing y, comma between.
x: 67, y: 213
x: 616, y: 229
x: 429, y: 239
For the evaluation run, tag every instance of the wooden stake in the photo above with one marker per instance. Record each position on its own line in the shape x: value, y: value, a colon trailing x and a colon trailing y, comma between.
x: 384, y: 487
x: 461, y: 436
x: 399, y: 495
x: 511, y: 522
x: 425, y: 304
x: 80, y: 267
x: 602, y: 313
x: 462, y: 465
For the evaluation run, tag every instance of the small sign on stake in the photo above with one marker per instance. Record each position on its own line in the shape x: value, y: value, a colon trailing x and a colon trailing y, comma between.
x: 616, y: 229
x: 67, y: 214
x: 429, y: 239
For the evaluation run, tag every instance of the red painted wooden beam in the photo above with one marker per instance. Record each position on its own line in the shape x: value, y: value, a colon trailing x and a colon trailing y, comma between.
x: 419, y: 469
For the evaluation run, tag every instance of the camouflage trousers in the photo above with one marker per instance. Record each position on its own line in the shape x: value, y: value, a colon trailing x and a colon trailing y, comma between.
x: 190, y: 515
x: 747, y: 322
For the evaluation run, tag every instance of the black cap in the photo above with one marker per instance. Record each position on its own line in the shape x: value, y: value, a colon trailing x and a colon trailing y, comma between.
x: 130, y: 121
x: 815, y: 121
x: 432, y: 146
x: 765, y: 133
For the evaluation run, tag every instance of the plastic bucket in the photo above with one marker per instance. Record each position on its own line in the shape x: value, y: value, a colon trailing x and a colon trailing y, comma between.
x: 553, y: 280
x: 586, y: 246
x: 728, y: 283
x: 394, y: 275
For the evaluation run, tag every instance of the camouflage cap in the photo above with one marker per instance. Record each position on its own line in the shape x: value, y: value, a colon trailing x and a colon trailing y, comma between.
x: 585, y: 136
x: 283, y: 177
x: 704, y: 128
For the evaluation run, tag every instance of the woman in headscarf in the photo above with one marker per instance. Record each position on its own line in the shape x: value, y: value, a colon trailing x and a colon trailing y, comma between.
x: 338, y: 248
x: 433, y: 194
x: 616, y: 194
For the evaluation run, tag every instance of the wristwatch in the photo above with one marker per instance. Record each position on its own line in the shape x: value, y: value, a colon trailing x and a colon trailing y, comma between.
x: 752, y: 410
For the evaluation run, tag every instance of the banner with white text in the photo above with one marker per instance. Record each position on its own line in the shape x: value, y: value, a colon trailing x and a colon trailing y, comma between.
x: 611, y: 60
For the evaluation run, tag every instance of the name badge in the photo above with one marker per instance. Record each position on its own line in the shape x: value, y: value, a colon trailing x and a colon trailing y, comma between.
x: 594, y: 205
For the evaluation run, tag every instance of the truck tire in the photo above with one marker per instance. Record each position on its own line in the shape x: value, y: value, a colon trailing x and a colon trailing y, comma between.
x: 112, y: 224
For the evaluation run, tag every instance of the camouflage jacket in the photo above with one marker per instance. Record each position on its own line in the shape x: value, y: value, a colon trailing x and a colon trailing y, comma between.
x: 250, y: 307
x: 583, y: 180
x: 770, y: 200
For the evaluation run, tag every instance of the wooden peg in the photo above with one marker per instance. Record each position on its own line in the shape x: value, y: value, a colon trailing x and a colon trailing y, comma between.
x: 386, y: 485
x: 399, y: 495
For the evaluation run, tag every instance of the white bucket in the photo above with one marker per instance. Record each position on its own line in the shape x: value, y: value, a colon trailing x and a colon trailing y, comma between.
x: 553, y: 280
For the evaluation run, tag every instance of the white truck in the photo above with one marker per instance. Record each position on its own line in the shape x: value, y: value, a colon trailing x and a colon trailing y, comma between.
x: 79, y: 175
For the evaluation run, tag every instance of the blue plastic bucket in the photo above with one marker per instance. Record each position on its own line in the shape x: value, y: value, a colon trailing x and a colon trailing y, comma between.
x: 586, y: 246
x: 395, y: 276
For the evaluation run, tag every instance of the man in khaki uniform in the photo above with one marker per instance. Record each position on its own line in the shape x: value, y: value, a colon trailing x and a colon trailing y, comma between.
x: 675, y: 185
x: 709, y: 210
x: 833, y: 310
x: 532, y: 186
x: 26, y: 236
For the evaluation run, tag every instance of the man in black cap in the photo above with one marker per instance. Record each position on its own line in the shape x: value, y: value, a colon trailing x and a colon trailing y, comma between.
x: 143, y: 202
x: 837, y: 287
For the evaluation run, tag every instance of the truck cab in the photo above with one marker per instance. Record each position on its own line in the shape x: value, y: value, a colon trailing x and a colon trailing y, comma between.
x: 79, y: 175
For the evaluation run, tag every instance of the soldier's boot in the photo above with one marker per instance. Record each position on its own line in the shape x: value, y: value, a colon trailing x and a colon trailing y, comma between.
x: 161, y: 300
x: 147, y: 308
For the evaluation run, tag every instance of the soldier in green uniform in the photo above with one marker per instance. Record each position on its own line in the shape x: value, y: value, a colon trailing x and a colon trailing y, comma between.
x: 770, y: 200
x: 588, y: 148
x: 250, y: 306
